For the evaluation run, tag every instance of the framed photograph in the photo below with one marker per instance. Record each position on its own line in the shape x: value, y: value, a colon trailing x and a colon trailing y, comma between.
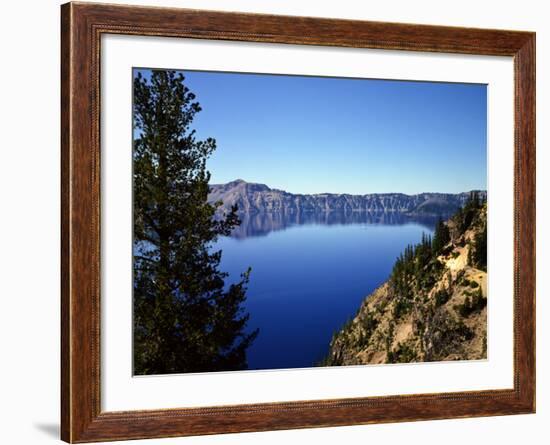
x: 274, y: 222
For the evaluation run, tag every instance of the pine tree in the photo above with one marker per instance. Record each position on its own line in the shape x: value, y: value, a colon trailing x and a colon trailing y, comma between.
x: 441, y: 236
x: 478, y: 251
x: 465, y: 215
x: 186, y: 318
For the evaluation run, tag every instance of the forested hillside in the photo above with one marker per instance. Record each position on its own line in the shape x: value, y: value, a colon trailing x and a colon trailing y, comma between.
x: 433, y: 306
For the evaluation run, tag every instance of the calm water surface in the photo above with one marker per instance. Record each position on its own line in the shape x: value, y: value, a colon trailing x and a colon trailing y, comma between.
x: 309, y: 275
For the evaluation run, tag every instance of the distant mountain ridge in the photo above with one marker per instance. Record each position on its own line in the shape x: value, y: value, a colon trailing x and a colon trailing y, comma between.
x: 259, y: 198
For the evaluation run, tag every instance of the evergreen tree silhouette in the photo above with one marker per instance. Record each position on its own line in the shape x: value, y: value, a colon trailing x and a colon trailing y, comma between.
x: 186, y: 317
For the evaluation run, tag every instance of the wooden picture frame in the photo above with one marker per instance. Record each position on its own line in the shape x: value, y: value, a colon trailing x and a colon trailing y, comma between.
x: 82, y: 25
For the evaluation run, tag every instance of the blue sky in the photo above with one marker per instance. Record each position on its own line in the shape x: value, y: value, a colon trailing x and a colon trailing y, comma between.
x: 317, y: 134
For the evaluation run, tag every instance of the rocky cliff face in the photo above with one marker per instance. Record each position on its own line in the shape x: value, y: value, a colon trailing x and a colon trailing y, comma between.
x: 433, y: 307
x: 257, y: 198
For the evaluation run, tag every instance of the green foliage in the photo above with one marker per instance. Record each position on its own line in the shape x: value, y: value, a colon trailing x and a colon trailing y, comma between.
x: 476, y: 303
x: 403, y: 353
x: 478, y: 250
x: 401, y: 308
x: 347, y: 325
x: 445, y: 335
x: 417, y: 264
x: 441, y: 297
x: 417, y: 269
x: 464, y: 217
x: 186, y: 319
x: 441, y: 237
x: 368, y: 324
x: 450, y: 283
x: 433, y: 273
x: 389, y: 337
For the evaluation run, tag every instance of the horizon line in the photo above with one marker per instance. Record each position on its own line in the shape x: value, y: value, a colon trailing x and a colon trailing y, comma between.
x: 346, y: 193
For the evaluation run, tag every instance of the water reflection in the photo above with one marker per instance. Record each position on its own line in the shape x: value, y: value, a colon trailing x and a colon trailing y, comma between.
x: 260, y: 224
x: 306, y: 281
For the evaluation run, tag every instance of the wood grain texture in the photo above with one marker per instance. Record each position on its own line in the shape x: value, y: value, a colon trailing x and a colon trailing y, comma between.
x: 65, y: 227
x: 81, y: 28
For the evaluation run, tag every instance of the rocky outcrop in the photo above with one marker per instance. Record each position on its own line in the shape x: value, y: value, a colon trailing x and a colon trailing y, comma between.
x: 432, y: 308
x: 259, y: 198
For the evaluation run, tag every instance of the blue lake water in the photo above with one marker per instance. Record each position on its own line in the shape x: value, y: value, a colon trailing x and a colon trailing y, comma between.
x: 309, y: 275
